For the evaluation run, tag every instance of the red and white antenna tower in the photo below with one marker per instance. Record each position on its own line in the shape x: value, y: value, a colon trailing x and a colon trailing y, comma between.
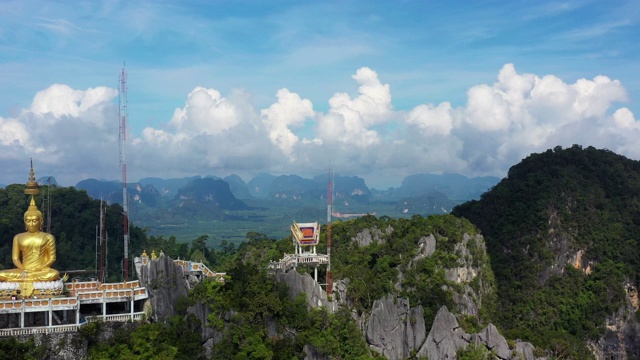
x: 123, y: 113
x: 329, y: 210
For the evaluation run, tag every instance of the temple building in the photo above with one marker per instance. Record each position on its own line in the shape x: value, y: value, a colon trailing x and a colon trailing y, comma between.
x: 306, y: 237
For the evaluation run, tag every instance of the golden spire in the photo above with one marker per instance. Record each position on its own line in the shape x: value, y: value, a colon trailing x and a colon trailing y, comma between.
x: 32, y: 206
x: 32, y: 185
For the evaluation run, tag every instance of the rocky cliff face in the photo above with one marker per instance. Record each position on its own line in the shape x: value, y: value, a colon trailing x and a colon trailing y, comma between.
x: 621, y: 339
x: 472, y: 275
x: 73, y: 345
x: 60, y: 346
x: 397, y: 331
x: 165, y: 282
x: 446, y: 338
x: 394, y: 329
x: 316, y: 296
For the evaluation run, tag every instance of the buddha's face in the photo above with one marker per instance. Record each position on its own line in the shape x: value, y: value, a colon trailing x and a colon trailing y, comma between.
x: 33, y: 223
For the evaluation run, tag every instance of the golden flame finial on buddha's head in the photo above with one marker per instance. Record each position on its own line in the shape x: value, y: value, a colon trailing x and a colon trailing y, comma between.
x: 32, y: 185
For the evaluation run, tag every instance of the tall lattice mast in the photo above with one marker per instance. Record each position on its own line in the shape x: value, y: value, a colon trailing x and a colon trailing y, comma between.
x: 123, y: 114
x: 103, y: 243
x: 329, y: 211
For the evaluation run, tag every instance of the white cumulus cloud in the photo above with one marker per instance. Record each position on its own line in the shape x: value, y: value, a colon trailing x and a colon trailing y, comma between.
x: 289, y: 112
x: 350, y: 121
x: 75, y: 132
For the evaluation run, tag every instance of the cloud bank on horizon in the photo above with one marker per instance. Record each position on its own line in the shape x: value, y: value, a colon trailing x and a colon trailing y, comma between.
x: 70, y: 132
x: 379, y: 90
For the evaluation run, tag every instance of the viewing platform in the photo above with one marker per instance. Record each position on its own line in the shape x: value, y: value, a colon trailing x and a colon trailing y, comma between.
x: 291, y: 261
x: 81, y: 302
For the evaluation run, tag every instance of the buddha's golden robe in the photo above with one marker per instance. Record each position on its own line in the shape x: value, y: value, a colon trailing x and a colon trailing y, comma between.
x: 38, y: 253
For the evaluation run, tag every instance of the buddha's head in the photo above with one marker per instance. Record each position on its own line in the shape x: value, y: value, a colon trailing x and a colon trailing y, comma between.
x: 33, y: 218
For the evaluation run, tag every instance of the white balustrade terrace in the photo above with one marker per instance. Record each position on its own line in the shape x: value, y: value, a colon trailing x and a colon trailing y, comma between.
x: 39, y: 330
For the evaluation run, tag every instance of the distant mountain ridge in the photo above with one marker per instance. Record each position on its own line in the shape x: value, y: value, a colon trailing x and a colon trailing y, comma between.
x: 209, y: 191
x: 195, y: 205
x: 454, y: 186
x: 417, y: 193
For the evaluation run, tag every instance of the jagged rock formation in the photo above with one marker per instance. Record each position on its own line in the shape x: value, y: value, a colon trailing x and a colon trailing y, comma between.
x: 446, y: 338
x: 620, y: 339
x: 72, y: 345
x: 298, y: 284
x: 60, y: 346
x: 426, y: 246
x: 369, y: 236
x: 394, y: 329
x: 165, y: 282
x: 340, y: 292
x: 473, y: 269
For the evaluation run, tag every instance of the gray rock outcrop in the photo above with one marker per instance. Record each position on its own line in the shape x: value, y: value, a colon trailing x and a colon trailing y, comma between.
x: 369, y: 236
x: 394, y: 329
x: 495, y: 342
x: 166, y: 283
x: 73, y: 345
x: 621, y: 339
x: 426, y: 246
x: 62, y: 346
x: 525, y: 349
x: 340, y: 292
x: 446, y: 338
x: 316, y: 296
x: 472, y: 268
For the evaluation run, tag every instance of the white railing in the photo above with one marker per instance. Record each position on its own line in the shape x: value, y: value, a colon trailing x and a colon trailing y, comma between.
x: 197, y: 267
x: 289, y: 261
x: 34, y: 305
x: 91, y: 286
x: 138, y: 316
x: 90, y: 297
x: 117, y: 317
x: 39, y: 330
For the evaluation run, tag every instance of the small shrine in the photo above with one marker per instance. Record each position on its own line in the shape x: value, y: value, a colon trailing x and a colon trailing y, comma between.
x: 306, y: 237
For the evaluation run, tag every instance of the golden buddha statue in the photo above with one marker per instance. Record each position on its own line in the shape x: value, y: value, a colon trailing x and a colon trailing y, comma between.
x: 33, y: 251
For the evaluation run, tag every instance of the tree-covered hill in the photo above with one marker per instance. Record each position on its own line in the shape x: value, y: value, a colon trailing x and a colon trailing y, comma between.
x: 563, y: 233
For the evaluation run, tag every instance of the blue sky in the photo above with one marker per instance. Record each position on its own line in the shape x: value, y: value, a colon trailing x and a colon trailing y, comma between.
x: 379, y: 89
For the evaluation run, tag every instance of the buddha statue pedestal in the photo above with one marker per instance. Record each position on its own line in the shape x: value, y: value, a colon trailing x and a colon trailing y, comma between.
x: 39, y: 289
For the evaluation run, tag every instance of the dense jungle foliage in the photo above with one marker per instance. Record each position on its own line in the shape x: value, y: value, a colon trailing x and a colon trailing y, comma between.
x: 549, y: 207
x: 257, y: 318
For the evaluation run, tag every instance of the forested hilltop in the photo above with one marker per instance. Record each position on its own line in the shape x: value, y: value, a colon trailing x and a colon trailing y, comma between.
x: 563, y: 233
x: 392, y: 276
